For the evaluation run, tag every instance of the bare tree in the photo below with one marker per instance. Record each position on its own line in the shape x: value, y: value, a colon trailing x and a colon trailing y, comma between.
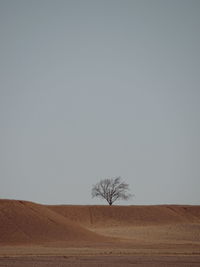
x: 111, y: 190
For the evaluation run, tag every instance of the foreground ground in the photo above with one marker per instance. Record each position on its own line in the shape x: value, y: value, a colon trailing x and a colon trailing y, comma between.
x: 38, y: 235
x: 94, y: 261
x: 120, y: 254
x: 96, y: 256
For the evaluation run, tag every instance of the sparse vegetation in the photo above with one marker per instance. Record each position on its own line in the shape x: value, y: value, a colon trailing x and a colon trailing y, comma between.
x: 111, y: 190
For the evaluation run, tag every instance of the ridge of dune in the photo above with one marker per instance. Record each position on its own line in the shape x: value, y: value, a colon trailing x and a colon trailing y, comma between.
x: 104, y: 216
x: 28, y: 222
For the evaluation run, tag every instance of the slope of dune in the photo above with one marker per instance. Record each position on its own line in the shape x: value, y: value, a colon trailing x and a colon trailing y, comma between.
x: 158, y: 225
x: 23, y: 222
x: 27, y: 222
x: 103, y: 216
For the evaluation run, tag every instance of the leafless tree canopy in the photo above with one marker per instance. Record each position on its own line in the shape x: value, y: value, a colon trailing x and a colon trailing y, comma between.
x: 111, y: 190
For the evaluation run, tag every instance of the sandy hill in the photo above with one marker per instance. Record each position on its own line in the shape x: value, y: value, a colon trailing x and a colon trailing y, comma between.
x: 23, y: 222
x: 129, y: 215
x: 173, y: 225
x: 27, y: 222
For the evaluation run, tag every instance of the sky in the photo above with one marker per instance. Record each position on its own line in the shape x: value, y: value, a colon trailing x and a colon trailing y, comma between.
x: 97, y: 89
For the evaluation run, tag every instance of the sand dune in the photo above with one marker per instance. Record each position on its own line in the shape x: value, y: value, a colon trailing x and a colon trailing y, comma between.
x: 27, y: 222
x: 32, y: 234
x: 106, y: 216
x: 23, y: 222
x: 164, y: 224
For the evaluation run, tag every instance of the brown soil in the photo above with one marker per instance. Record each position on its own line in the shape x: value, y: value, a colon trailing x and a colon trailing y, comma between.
x: 103, y: 261
x: 65, y: 235
x: 23, y: 222
x: 129, y: 215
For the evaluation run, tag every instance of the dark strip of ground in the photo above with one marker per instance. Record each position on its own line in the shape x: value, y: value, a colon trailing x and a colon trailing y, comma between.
x: 101, y: 261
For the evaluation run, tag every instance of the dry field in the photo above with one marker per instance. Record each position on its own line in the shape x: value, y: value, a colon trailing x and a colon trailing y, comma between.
x: 37, y: 235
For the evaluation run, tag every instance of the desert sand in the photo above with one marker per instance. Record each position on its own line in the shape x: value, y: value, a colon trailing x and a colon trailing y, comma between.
x: 69, y: 235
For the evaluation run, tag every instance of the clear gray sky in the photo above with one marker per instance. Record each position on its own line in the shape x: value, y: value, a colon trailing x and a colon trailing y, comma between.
x: 97, y: 89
